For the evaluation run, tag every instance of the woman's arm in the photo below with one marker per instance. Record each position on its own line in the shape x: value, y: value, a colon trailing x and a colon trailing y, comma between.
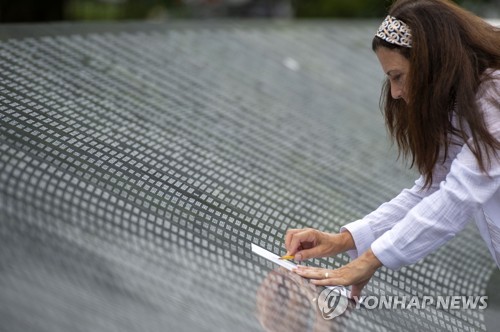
x: 373, y: 225
x: 441, y: 215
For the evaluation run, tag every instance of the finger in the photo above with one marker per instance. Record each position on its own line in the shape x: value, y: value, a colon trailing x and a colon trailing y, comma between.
x: 308, y: 235
x: 304, y: 254
x: 288, y: 238
x: 357, y: 288
x: 324, y: 277
x: 356, y: 291
x: 335, y: 281
x: 312, y: 272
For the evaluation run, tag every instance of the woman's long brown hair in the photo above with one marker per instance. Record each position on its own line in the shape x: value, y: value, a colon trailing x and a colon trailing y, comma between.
x: 450, y: 54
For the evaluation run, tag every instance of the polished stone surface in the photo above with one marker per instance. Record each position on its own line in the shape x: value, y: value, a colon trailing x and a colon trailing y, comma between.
x: 139, y: 161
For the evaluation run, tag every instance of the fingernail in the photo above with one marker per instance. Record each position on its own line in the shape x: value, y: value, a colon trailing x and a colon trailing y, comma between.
x: 298, y: 257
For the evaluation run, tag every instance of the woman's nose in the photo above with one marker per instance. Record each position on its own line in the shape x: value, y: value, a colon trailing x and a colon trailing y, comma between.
x: 396, y: 91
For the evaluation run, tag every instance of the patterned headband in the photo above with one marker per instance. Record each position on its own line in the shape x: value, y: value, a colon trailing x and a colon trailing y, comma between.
x: 395, y: 31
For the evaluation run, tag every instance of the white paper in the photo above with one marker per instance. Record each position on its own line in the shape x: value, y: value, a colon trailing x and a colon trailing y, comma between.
x: 284, y: 263
x: 273, y: 258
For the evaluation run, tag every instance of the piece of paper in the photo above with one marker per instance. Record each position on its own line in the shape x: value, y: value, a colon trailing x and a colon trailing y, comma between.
x: 285, y: 263
x: 273, y: 258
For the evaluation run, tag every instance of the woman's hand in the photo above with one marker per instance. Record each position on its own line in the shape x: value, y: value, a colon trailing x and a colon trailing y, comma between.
x: 310, y: 243
x: 357, y: 273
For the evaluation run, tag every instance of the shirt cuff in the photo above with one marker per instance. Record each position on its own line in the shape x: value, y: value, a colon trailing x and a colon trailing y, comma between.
x: 387, y: 253
x: 362, y: 235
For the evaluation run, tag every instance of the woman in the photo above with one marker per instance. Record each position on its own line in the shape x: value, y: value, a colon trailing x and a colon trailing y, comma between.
x: 442, y: 107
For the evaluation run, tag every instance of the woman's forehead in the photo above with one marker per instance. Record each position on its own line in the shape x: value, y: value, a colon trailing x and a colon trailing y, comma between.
x: 392, y: 60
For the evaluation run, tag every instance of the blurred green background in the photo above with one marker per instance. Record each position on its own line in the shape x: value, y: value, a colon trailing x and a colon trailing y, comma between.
x: 57, y: 10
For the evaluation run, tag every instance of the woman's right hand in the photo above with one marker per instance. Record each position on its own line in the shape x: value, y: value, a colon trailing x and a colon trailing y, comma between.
x: 310, y: 243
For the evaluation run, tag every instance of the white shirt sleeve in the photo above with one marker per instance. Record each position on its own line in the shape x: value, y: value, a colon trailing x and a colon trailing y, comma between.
x: 445, y: 212
x: 373, y: 225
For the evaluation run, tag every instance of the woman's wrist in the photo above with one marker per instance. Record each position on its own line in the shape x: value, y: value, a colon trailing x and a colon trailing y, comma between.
x: 369, y: 258
x: 347, y: 240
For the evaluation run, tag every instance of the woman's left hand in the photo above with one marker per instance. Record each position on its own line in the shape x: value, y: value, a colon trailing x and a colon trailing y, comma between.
x: 357, y: 273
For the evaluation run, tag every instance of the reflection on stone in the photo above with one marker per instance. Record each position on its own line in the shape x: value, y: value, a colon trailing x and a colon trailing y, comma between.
x: 288, y: 302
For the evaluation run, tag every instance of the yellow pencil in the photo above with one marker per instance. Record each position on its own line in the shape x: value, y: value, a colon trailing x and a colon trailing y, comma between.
x: 287, y: 257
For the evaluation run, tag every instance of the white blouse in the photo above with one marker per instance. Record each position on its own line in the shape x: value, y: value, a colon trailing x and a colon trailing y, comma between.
x: 417, y: 222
